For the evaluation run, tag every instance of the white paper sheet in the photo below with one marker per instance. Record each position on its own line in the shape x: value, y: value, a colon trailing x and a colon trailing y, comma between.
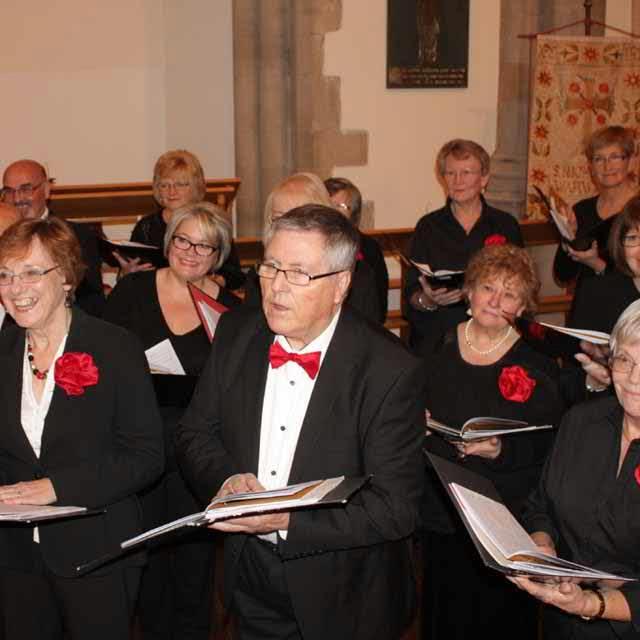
x: 162, y: 358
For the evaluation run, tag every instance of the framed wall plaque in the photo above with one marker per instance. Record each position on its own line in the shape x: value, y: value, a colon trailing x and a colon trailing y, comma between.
x: 427, y: 43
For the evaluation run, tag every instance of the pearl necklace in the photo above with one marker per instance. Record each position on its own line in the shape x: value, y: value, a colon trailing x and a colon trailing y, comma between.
x: 41, y: 375
x: 467, y: 339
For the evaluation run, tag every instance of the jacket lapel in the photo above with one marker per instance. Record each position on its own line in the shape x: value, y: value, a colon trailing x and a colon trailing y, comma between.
x: 60, y: 412
x: 12, y: 363
x: 252, y: 396
x: 336, y: 367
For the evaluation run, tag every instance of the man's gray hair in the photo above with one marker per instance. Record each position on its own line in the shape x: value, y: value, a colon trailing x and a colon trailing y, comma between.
x: 341, y: 238
x: 627, y: 329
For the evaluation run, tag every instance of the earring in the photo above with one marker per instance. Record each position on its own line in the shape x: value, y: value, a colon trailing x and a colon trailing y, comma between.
x: 469, y: 312
x: 68, y: 300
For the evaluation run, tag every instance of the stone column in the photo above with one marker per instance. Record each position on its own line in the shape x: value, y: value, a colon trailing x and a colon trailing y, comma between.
x: 245, y: 94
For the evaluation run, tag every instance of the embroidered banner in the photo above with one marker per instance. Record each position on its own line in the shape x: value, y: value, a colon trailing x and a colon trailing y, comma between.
x: 580, y: 84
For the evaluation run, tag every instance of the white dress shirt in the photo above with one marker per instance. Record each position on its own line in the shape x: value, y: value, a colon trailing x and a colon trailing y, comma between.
x: 286, y: 398
x: 34, y: 413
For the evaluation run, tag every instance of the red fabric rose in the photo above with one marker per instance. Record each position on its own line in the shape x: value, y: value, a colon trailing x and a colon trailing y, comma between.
x: 359, y: 256
x: 537, y: 331
x: 74, y: 372
x: 496, y: 238
x: 636, y: 473
x: 515, y: 384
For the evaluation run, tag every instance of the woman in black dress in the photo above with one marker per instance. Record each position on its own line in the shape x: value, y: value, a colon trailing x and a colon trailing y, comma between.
x: 482, y: 368
x: 599, y: 302
x: 178, y: 180
x: 587, y: 504
x: 448, y: 237
x: 610, y: 152
x: 155, y: 305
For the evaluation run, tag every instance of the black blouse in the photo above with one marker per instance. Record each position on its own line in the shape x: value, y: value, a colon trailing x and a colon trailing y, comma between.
x: 591, y: 512
x: 598, y: 302
x: 589, y: 224
x: 440, y: 241
x: 134, y: 305
x: 151, y: 229
x: 457, y: 391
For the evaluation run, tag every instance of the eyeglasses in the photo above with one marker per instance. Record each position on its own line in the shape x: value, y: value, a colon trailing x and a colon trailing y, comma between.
x: 177, y: 186
x: 293, y: 276
x: 464, y: 173
x: 24, y: 191
x: 184, y: 244
x: 622, y: 364
x: 614, y: 158
x: 631, y: 240
x: 32, y: 275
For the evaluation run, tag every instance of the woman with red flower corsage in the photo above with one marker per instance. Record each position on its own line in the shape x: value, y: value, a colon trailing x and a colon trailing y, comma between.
x: 447, y: 238
x: 483, y: 368
x: 81, y: 428
x: 587, y: 504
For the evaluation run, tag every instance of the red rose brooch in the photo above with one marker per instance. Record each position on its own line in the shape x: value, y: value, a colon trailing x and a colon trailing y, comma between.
x: 537, y: 331
x: 496, y: 238
x: 515, y: 384
x: 74, y: 372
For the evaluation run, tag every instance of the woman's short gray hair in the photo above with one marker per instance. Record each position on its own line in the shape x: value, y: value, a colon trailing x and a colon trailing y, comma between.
x: 213, y: 226
x: 341, y: 237
x: 627, y: 328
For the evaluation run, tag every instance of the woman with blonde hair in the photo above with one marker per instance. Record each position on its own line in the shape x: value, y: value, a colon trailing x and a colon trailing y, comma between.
x: 178, y: 180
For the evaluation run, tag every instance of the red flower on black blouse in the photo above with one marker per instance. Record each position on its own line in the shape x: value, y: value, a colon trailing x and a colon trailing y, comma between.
x: 636, y: 474
x: 537, y: 331
x: 496, y: 238
x: 515, y: 384
x: 74, y: 372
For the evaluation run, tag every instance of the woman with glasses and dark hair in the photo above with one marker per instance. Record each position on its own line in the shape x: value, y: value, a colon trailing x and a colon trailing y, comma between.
x: 347, y: 199
x: 80, y: 427
x: 178, y: 180
x: 156, y: 305
x: 587, y: 505
x: 611, y: 152
x: 599, y: 302
x: 447, y: 238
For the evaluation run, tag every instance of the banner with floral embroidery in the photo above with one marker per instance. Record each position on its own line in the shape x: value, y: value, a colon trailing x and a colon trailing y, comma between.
x: 580, y: 84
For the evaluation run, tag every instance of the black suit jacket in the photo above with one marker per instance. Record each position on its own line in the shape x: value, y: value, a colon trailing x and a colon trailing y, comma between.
x: 98, y: 448
x: 348, y: 568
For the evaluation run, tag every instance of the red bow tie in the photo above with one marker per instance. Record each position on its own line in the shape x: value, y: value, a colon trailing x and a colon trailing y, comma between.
x: 310, y: 362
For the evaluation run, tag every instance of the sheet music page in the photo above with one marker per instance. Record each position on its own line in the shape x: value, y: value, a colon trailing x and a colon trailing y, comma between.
x: 162, y: 358
x: 495, y: 521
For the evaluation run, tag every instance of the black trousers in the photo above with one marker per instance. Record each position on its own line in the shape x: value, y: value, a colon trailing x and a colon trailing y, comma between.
x: 261, y: 601
x: 462, y: 598
x: 43, y: 606
x: 177, y: 583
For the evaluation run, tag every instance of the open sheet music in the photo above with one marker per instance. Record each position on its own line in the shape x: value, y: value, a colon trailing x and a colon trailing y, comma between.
x: 306, y: 495
x: 499, y: 538
x: 130, y: 250
x: 163, y: 359
x: 208, y: 308
x: 480, y: 428
x: 35, y: 513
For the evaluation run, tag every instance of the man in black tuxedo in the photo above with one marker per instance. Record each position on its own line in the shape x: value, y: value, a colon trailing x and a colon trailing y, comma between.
x: 25, y: 185
x: 304, y: 389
